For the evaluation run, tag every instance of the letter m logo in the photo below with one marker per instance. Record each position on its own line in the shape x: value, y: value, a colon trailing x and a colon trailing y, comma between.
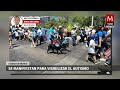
x: 110, y: 18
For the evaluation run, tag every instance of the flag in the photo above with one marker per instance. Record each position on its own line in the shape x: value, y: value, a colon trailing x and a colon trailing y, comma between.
x: 108, y: 53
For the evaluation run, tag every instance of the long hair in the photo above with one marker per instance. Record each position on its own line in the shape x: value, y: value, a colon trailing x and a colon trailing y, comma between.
x: 88, y: 41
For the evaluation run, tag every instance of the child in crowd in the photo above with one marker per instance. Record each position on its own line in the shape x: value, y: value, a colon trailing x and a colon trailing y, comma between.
x: 91, y: 49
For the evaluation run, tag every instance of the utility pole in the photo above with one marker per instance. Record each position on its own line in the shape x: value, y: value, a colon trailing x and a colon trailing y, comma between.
x: 92, y: 21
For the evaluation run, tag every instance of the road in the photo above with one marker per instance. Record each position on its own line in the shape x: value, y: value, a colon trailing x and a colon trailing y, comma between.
x: 39, y: 56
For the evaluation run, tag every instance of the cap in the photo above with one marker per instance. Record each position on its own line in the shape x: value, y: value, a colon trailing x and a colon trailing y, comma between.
x: 60, y: 26
x: 82, y: 28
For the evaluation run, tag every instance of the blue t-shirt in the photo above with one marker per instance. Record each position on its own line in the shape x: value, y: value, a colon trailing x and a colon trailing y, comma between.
x: 97, y: 35
x: 92, y: 36
x: 39, y: 33
x: 104, y: 33
x: 64, y: 41
x: 52, y: 30
x: 13, y: 29
x: 34, y: 34
x: 34, y: 29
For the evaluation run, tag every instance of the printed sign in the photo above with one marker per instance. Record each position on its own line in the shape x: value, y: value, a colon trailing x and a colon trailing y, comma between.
x: 30, y: 21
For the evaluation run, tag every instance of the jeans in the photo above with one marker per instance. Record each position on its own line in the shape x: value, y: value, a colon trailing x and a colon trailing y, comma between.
x: 82, y: 38
x: 73, y: 38
x: 52, y: 38
x: 13, y: 36
x: 109, y: 61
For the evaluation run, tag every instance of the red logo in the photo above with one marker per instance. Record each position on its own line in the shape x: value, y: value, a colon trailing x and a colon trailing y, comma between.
x: 110, y: 18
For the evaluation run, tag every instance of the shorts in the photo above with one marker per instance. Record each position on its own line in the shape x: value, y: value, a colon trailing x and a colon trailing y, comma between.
x: 17, y: 37
x: 98, y: 49
x: 92, y: 54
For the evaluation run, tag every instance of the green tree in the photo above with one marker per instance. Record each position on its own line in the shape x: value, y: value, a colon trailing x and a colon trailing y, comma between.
x: 47, y: 25
x: 82, y: 21
x: 38, y: 25
x: 70, y: 24
x: 99, y: 20
x: 62, y: 21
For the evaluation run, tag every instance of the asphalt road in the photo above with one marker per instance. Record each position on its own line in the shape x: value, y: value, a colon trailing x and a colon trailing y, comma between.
x: 38, y: 56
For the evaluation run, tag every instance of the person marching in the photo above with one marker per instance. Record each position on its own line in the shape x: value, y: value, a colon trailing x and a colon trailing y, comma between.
x: 52, y: 33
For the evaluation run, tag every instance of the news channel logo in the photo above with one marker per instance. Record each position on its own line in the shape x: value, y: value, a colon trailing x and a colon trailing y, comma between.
x: 110, y: 20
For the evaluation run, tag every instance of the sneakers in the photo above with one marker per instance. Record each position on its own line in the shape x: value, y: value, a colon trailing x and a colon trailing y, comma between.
x: 87, y: 60
x: 31, y: 45
x: 107, y: 72
x: 71, y: 45
x: 102, y: 59
x: 106, y: 64
x: 96, y: 62
x: 34, y: 46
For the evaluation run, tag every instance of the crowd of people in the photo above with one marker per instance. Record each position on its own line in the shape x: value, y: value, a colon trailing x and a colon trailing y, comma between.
x: 19, y: 33
x: 98, y: 48
x: 95, y: 39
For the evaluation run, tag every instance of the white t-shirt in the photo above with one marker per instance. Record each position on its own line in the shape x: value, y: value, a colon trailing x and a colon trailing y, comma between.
x: 16, y: 34
x: 23, y: 31
x: 26, y: 33
x: 93, y: 31
x: 39, y: 31
x: 91, y: 48
x: 109, y: 32
x: 73, y: 32
x: 87, y: 32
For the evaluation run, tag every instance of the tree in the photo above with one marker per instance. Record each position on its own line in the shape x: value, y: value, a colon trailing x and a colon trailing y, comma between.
x: 99, y: 20
x: 70, y: 24
x: 47, y: 25
x: 62, y: 21
x: 82, y: 21
x: 38, y: 25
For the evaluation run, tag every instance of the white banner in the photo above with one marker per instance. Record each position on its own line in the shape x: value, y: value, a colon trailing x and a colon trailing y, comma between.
x: 29, y: 25
x: 13, y: 63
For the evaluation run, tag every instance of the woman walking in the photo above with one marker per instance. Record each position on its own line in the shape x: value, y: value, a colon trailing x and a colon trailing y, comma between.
x: 10, y: 39
x: 30, y: 36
